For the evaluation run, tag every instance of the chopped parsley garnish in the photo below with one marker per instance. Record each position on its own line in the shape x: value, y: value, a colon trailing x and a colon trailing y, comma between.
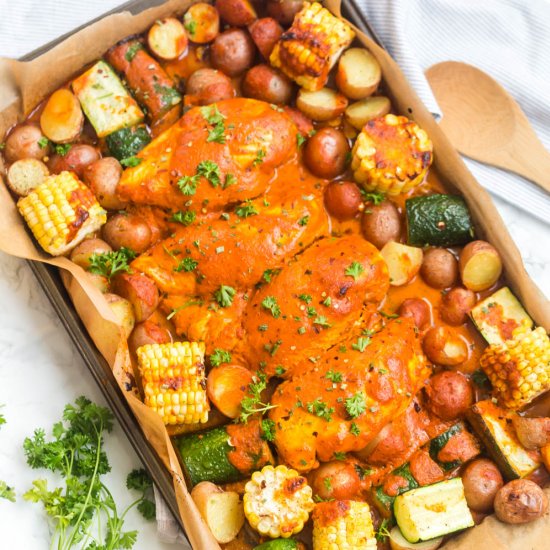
x: 191, y: 27
x: 302, y: 330
x: 303, y: 221
x: 320, y: 409
x: 334, y: 376
x: 211, y: 171
x: 269, y: 273
x: 389, y: 315
x: 187, y: 264
x: 246, y: 210
x: 230, y: 179
x: 272, y: 348
x: 63, y: 148
x: 311, y: 312
x: 186, y: 218
x: 279, y: 371
x: 111, y: 263
x: 383, y: 531
x: 300, y: 139
x: 220, y: 356
x: 168, y: 95
x: 268, y: 429
x: 252, y: 403
x: 339, y: 456
x: 354, y: 429
x: 262, y: 328
x: 356, y: 405
x: 305, y: 298
x: 43, y: 142
x: 131, y: 162
x: 132, y: 51
x: 260, y: 155
x: 327, y: 483
x: 361, y: 344
x: 327, y: 301
x: 270, y: 303
x: 375, y: 198
x: 188, y: 184
x: 354, y: 270
x: 321, y: 320
x: 213, y: 116
x: 224, y: 295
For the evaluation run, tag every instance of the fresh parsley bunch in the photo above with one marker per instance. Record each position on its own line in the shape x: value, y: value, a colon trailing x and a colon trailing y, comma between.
x: 82, y: 511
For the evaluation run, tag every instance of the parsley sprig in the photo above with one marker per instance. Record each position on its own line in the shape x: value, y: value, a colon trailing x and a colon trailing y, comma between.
x: 111, y: 263
x: 6, y: 492
x: 356, y: 405
x: 82, y: 510
x: 252, y: 404
x: 354, y: 270
x: 224, y: 295
x: 213, y: 116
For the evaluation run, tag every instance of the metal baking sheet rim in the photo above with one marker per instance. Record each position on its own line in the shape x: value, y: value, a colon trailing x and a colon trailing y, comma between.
x: 49, y: 279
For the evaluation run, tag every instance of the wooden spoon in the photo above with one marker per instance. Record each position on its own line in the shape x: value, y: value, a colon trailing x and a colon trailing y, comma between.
x: 485, y: 123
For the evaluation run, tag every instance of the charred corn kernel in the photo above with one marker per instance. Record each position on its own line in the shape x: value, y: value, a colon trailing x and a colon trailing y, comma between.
x: 277, y: 501
x: 173, y: 381
x: 310, y: 48
x: 61, y: 212
x: 519, y: 368
x: 343, y: 525
x: 391, y: 155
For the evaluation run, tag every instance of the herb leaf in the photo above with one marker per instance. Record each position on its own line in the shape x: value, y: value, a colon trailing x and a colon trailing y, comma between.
x: 220, y: 356
x: 131, y: 161
x: 186, y: 218
x: 211, y: 171
x: 268, y: 429
x: 354, y: 270
x: 356, y: 405
x: 270, y: 303
x: 246, y: 210
x: 111, y: 263
x: 188, y: 184
x: 252, y: 403
x: 187, y: 264
x: 224, y: 295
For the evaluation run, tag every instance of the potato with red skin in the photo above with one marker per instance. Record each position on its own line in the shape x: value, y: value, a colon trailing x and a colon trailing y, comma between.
x: 267, y: 84
x: 533, y: 433
x: 206, y: 86
x: 148, y: 332
x: 381, y: 223
x: 77, y: 158
x: 439, y: 268
x: 233, y: 52
x: 23, y: 143
x: 127, y: 230
x: 82, y: 252
x: 449, y: 395
x: 140, y: 291
x: 520, y: 501
x: 284, y: 10
x: 482, y: 480
x: 480, y: 265
x: 444, y: 347
x: 265, y: 33
x: 99, y: 281
x: 303, y: 123
x: 237, y: 13
x: 102, y: 177
x: 343, y: 199
x: 456, y: 305
x: 202, y: 23
x: 336, y: 480
x: 326, y: 153
x: 418, y: 310
x: 123, y: 311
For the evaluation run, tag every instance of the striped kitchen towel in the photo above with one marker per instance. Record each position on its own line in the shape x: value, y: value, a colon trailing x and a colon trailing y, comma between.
x: 508, y: 39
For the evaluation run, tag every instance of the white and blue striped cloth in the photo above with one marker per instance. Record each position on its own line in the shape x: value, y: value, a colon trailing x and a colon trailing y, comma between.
x: 508, y: 39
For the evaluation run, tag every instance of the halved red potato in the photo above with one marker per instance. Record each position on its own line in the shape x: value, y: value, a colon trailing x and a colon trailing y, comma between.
x: 265, y: 83
x: 360, y: 112
x: 124, y: 312
x: 26, y: 174
x: 480, y: 265
x: 102, y: 177
x: 207, y: 86
x: 167, y: 38
x: 443, y: 346
x: 202, y: 23
x: 403, y: 262
x: 140, y: 291
x: 148, y: 332
x: 237, y: 13
x: 62, y: 118
x: 82, y: 252
x: 26, y: 141
x: 227, y: 386
x: 322, y: 105
x: 76, y: 159
x: 358, y: 73
x: 265, y: 33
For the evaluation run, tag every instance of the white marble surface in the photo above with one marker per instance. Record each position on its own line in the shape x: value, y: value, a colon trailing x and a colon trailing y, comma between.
x: 39, y: 369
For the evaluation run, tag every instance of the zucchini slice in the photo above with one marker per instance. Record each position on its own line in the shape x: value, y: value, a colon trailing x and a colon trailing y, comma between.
x: 105, y: 101
x: 433, y: 511
x: 127, y: 142
x: 497, y: 316
x: 438, y: 220
x: 205, y: 457
x: 495, y: 429
x: 383, y: 501
x: 399, y: 542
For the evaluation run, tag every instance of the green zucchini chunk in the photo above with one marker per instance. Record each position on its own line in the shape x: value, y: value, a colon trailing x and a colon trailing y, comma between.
x: 432, y: 511
x: 105, y: 101
x: 204, y: 457
x: 497, y: 316
x: 494, y: 427
x: 127, y: 142
x: 438, y: 220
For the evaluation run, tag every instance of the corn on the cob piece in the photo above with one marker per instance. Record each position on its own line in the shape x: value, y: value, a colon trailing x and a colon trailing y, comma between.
x: 310, y: 48
x: 519, y: 368
x: 391, y: 155
x: 277, y: 501
x: 173, y: 381
x: 343, y: 525
x: 61, y: 212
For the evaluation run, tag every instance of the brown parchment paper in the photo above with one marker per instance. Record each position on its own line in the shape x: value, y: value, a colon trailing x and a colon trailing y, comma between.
x: 24, y: 84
